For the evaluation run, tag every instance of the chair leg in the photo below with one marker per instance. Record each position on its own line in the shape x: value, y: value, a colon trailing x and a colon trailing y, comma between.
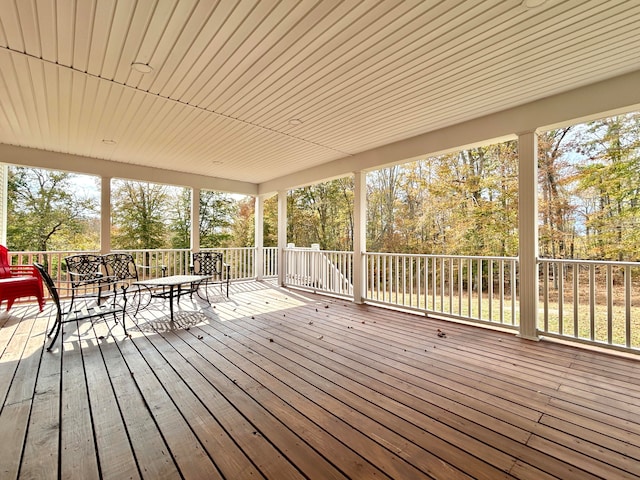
x: 55, y: 324
x: 56, y: 327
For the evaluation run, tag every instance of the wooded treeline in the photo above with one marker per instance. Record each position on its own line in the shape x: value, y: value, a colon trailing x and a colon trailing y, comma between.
x: 466, y: 203
x: 463, y: 203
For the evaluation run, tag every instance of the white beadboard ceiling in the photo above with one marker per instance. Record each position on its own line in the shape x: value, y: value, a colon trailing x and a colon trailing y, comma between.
x: 230, y: 75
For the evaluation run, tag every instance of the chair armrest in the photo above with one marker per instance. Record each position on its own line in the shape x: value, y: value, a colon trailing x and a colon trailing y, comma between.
x: 148, y: 268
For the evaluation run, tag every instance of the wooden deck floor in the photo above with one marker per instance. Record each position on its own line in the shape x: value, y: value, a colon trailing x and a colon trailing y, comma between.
x: 279, y: 384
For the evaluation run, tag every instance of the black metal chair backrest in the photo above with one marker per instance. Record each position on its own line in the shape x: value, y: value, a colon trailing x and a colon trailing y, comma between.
x: 207, y: 263
x: 121, y: 266
x: 85, y: 269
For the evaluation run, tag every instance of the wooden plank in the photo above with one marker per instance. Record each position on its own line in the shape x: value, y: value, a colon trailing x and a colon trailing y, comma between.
x: 14, y: 418
x: 238, y: 414
x: 573, y: 457
x: 424, y: 371
x: 595, y: 455
x: 362, y: 417
x: 11, y: 356
x: 233, y: 463
x: 150, y: 450
x: 234, y: 385
x: 591, y: 428
x: 304, y: 406
x: 268, y: 328
x: 40, y: 457
x: 445, y: 416
x: 114, y: 449
x: 190, y: 457
x: 13, y: 426
x: 78, y: 458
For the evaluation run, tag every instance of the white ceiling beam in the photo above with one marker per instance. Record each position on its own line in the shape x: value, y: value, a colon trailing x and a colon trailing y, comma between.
x: 33, y: 157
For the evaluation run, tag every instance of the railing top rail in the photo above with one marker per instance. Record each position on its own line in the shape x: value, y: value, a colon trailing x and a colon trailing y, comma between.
x: 306, y: 249
x: 205, y: 249
x: 430, y: 255
x: 614, y: 263
x: 142, y: 250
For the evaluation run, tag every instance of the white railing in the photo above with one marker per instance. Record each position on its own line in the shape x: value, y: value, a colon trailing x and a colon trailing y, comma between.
x: 270, y: 262
x: 320, y: 270
x: 478, y: 289
x: 155, y: 263
x: 241, y: 260
x: 53, y: 261
x: 596, y: 302
x: 591, y: 301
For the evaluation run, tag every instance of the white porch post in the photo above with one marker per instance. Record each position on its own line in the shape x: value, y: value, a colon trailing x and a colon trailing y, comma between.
x: 359, y: 236
x: 282, y: 235
x: 528, y: 233
x: 259, y: 236
x: 195, y: 220
x: 105, y: 215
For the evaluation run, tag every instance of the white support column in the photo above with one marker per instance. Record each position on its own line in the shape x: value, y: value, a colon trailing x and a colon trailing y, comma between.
x: 259, y: 237
x: 359, y: 236
x: 528, y: 233
x: 282, y: 236
x: 105, y: 215
x: 195, y: 220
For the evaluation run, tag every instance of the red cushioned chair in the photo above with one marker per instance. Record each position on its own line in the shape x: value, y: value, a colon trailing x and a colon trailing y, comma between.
x: 17, y: 281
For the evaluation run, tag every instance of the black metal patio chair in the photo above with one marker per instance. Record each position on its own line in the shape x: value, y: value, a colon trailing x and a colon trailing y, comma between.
x: 211, y: 263
x: 122, y: 268
x: 88, y: 277
x: 117, y: 304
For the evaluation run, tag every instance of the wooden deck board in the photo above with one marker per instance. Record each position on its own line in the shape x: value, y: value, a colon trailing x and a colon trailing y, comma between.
x: 281, y: 384
x: 114, y: 450
x: 277, y: 332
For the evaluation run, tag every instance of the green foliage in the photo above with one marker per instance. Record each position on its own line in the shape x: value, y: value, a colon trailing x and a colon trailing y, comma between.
x: 138, y: 215
x: 270, y: 232
x: 611, y: 182
x: 180, y: 219
x: 463, y: 203
x: 44, y: 212
x: 217, y: 213
x: 217, y: 219
x: 322, y: 213
x: 243, y: 227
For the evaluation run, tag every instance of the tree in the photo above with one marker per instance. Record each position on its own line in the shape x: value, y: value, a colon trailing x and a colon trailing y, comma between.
x: 243, y: 228
x: 45, y: 212
x: 217, y: 213
x: 612, y: 179
x: 270, y: 231
x: 322, y: 214
x: 180, y: 212
x: 555, y: 172
x: 139, y: 213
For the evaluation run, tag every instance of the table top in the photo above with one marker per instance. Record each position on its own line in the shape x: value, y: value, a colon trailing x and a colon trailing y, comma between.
x: 173, y: 280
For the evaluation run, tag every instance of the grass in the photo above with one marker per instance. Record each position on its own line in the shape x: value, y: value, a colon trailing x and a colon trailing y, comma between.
x: 582, y: 323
